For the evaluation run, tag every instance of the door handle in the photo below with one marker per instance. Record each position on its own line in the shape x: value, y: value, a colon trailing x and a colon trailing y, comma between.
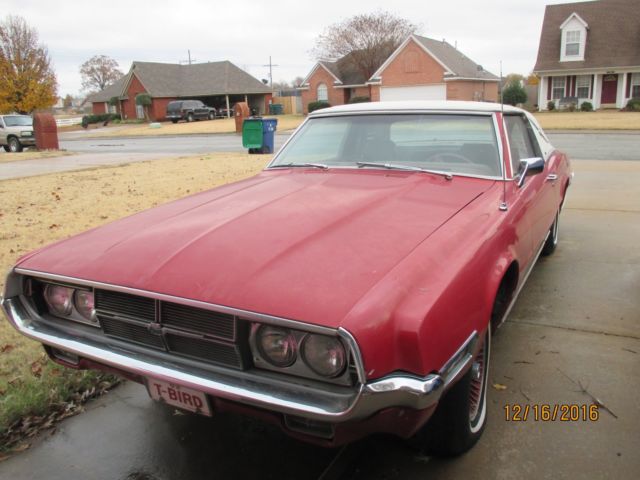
x: 552, y: 177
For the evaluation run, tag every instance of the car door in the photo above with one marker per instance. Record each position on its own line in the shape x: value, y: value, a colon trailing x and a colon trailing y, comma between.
x: 199, y: 109
x: 535, y: 195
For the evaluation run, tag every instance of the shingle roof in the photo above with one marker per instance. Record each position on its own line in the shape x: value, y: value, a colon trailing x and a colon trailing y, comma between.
x: 200, y: 79
x: 113, y: 90
x: 613, y: 37
x: 455, y: 60
x: 345, y: 70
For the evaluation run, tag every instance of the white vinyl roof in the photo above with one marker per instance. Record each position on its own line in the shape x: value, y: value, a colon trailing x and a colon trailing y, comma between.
x: 422, y: 105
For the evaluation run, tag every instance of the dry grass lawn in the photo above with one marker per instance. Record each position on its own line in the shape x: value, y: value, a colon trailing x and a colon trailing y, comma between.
x: 32, y: 155
x: 606, y: 120
x: 37, y: 211
x: 219, y: 125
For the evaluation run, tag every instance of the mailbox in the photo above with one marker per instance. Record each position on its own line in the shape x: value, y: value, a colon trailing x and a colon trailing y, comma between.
x: 45, y: 131
x: 240, y: 112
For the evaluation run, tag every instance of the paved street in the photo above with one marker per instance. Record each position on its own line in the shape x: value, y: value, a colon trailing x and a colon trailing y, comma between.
x: 574, y: 333
x: 114, y: 151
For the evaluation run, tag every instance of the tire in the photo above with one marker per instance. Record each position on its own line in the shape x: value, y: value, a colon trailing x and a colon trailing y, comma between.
x: 461, y: 415
x: 14, y: 145
x: 211, y: 116
x: 552, y: 239
x: 190, y: 117
x: 174, y: 121
x: 6, y: 148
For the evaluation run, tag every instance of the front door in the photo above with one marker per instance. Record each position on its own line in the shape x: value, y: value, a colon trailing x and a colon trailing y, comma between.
x: 609, y: 88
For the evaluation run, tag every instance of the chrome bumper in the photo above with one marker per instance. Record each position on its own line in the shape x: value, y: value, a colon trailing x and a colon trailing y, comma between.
x: 332, y: 404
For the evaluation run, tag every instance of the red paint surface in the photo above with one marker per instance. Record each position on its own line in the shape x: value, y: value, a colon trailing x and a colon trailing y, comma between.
x: 409, y: 263
x: 609, y: 88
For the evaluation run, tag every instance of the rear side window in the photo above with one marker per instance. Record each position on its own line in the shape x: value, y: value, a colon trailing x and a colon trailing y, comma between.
x: 521, y: 140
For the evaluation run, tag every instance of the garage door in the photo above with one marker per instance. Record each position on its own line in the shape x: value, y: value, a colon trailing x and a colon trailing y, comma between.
x: 423, y: 92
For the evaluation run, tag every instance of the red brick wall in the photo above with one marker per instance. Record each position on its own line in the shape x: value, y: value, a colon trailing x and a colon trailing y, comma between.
x: 412, y: 66
x: 98, y: 108
x: 336, y: 95
x: 471, y: 90
x: 158, y: 108
x: 129, y: 105
x: 375, y: 93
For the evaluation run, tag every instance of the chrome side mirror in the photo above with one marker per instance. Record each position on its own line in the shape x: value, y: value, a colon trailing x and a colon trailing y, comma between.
x: 528, y: 167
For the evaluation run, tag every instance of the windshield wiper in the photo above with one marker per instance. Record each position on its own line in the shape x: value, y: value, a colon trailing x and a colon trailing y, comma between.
x: 289, y: 165
x: 411, y: 168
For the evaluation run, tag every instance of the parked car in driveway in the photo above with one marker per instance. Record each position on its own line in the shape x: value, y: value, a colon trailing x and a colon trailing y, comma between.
x: 16, y: 132
x: 351, y: 287
x: 189, y: 110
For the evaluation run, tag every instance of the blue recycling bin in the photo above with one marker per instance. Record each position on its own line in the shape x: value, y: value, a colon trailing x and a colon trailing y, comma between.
x: 269, y: 126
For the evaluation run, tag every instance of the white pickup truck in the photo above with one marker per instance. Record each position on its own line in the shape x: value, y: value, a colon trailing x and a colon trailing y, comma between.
x: 16, y: 132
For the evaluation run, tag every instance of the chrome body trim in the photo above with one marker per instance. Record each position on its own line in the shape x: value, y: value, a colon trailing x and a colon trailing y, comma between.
x: 329, y: 403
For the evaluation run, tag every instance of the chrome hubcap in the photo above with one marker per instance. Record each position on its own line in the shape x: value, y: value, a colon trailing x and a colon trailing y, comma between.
x: 477, y: 384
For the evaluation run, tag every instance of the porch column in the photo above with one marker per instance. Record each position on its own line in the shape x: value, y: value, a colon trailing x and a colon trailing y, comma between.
x: 542, y: 94
x: 226, y: 97
x: 596, y: 93
x: 622, y: 93
x: 246, y: 99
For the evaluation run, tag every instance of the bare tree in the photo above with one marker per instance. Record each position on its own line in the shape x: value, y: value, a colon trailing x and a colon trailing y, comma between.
x: 297, y: 81
x: 99, y: 72
x: 367, y: 39
x: 27, y: 79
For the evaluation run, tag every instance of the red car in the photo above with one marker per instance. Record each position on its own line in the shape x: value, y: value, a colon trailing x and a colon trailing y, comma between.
x: 351, y: 287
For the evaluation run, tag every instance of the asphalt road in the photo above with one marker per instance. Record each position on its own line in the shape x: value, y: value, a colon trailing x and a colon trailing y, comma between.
x: 115, y: 151
x: 574, y: 334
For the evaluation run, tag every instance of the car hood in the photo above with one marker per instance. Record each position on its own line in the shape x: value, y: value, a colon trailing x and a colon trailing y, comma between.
x: 300, y: 244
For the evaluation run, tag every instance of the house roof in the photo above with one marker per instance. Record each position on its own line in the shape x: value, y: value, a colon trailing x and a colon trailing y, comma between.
x: 613, y: 38
x: 345, y: 71
x: 457, y: 62
x: 113, y: 90
x: 173, y: 80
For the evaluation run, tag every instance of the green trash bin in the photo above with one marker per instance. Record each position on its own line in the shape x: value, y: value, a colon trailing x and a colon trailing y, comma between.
x: 252, y: 136
x: 276, y: 109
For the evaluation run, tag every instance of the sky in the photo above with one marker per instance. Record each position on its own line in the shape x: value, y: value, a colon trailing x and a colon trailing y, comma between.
x: 248, y: 32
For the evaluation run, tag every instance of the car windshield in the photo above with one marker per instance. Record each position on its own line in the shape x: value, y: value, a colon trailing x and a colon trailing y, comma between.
x: 455, y: 143
x: 18, y: 121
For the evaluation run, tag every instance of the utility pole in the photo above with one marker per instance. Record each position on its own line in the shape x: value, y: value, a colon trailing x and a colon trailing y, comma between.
x: 270, y: 65
x: 190, y: 60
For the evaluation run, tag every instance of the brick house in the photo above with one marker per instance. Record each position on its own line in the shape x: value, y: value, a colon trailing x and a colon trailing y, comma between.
x: 590, y: 51
x: 217, y: 84
x: 419, y: 69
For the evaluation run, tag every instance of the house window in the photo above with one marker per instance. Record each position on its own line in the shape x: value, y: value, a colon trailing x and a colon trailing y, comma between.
x: 583, y: 86
x: 635, y: 85
x: 572, y: 43
x: 557, y: 87
x: 323, y: 94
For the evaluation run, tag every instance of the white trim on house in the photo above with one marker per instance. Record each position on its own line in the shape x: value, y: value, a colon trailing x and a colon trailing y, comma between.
x: 305, y: 82
x: 455, y: 79
x: 378, y: 73
x: 577, y: 17
x: 352, y: 86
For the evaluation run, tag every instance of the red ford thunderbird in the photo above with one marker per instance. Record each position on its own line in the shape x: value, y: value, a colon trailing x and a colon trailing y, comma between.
x: 351, y: 287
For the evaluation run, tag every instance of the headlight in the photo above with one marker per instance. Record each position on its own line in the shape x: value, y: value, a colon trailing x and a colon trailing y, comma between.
x: 85, y: 304
x: 324, y: 355
x: 26, y: 134
x: 277, y: 346
x: 59, y: 299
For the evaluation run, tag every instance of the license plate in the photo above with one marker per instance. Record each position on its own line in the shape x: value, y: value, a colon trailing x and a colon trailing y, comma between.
x: 178, y: 396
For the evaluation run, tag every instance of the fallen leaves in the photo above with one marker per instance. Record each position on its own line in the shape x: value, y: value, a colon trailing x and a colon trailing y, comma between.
x: 499, y: 386
x: 7, y: 347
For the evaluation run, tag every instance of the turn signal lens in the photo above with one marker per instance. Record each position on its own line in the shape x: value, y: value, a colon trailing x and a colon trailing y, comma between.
x: 85, y: 304
x: 324, y: 355
x: 277, y: 346
x: 59, y: 299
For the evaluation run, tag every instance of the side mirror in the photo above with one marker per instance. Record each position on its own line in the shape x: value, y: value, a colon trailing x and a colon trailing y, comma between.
x: 528, y: 167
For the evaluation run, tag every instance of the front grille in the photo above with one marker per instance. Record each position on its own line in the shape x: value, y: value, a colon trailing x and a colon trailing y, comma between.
x: 123, y: 304
x: 178, y: 329
x: 207, y: 322
x: 131, y: 332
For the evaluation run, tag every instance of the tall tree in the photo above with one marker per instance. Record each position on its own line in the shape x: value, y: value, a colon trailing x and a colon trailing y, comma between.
x: 367, y: 39
x: 27, y: 79
x: 68, y: 101
x: 99, y: 72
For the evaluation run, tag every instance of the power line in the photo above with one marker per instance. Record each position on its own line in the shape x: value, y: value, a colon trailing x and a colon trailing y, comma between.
x: 270, y: 65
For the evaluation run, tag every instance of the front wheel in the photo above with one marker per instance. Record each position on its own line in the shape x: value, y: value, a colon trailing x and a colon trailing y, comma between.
x: 461, y: 415
x: 190, y: 117
x: 6, y: 148
x: 15, y: 145
x: 551, y: 242
x: 173, y: 120
x: 211, y: 115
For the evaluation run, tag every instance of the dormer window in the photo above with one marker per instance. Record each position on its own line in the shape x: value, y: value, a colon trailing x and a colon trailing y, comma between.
x: 572, y: 45
x: 573, y: 39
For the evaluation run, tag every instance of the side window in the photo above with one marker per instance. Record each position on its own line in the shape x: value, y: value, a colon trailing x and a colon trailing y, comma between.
x: 521, y: 140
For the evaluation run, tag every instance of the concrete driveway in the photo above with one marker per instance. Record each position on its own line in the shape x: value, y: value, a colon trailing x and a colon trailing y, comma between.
x: 573, y: 335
